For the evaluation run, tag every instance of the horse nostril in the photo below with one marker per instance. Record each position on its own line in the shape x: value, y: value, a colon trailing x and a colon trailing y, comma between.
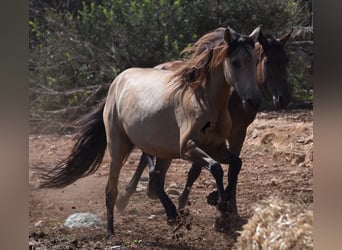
x: 253, y: 104
x: 283, y: 101
x: 250, y: 102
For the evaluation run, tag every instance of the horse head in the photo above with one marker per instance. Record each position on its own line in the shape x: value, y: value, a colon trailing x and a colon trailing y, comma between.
x: 272, y: 68
x: 240, y: 67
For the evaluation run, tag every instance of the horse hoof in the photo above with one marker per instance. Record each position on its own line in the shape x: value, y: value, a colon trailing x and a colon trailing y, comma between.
x: 222, y: 223
x: 183, y: 219
x: 182, y: 202
x: 121, y: 204
x: 212, y: 198
x: 171, y: 221
x: 151, y: 194
x: 109, y: 235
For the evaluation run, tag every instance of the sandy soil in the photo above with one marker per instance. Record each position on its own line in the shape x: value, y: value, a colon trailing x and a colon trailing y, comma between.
x: 277, y: 160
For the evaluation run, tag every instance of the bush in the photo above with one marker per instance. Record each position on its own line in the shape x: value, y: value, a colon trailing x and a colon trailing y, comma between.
x: 75, y: 49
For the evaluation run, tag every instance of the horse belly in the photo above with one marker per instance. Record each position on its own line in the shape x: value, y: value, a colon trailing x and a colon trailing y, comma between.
x: 148, y: 115
x: 155, y: 136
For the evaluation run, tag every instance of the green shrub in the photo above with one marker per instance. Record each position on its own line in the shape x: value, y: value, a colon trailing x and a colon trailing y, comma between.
x: 75, y: 50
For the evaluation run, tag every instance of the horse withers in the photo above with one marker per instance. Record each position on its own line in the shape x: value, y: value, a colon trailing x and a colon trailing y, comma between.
x: 172, y: 107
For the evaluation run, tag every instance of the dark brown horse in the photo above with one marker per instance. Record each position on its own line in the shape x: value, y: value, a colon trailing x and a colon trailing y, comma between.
x: 271, y: 74
x: 173, y: 107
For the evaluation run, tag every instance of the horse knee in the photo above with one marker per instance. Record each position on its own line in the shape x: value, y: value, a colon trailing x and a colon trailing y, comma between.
x: 216, y: 170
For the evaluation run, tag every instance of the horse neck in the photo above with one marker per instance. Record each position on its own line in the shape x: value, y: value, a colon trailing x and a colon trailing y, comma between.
x: 218, y: 90
x: 261, y: 81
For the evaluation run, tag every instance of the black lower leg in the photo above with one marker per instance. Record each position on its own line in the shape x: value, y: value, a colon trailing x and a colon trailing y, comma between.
x: 193, y: 174
x: 234, y: 170
x: 158, y: 186
x: 132, y: 185
x: 217, y: 172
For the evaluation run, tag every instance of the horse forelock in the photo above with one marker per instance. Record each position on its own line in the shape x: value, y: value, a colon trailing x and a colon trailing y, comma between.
x: 243, y: 42
x: 274, y: 47
x: 272, y: 42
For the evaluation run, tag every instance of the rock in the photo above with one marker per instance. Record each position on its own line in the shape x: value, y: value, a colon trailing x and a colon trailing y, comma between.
x: 152, y: 216
x: 39, y: 223
x: 118, y: 247
x: 267, y: 138
x: 140, y: 188
x: 300, y: 158
x: 83, y: 220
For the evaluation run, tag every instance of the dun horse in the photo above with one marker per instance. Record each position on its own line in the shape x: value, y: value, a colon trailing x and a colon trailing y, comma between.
x: 173, y: 108
x: 272, y: 75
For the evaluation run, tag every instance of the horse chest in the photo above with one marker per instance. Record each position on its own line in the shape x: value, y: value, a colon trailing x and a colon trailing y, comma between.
x: 212, y: 133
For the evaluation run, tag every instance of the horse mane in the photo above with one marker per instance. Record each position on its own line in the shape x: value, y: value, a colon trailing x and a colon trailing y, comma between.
x: 208, y: 52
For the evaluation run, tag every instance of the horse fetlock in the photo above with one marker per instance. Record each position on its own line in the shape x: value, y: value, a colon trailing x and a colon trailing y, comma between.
x: 182, y: 200
x: 232, y: 208
x: 151, y: 193
x: 222, y: 206
x: 110, y: 227
x: 183, y: 219
x: 121, y: 203
x: 171, y: 221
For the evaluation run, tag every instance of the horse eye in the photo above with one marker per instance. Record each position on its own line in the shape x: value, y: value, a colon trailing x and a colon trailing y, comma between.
x: 236, y: 63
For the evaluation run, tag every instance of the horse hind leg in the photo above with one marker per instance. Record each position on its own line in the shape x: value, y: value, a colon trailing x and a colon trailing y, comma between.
x: 118, y: 152
x: 122, y: 200
x: 151, y: 192
x: 193, y: 174
x: 158, y: 180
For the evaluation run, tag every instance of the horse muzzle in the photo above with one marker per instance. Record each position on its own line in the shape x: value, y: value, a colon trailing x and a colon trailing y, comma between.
x: 281, y: 102
x: 251, y: 105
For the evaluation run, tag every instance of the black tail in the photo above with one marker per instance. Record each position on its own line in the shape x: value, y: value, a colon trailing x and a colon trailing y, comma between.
x: 86, y: 155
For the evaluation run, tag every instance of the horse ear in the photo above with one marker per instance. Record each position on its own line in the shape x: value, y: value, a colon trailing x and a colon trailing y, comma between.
x: 285, y: 37
x: 262, y: 40
x: 229, y: 35
x: 255, y: 34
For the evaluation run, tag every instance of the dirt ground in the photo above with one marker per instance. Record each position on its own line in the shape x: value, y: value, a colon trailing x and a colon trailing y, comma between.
x: 277, y: 160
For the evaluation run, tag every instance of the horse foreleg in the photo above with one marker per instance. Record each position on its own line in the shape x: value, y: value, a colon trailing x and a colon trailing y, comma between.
x: 193, y: 174
x: 235, y: 139
x: 192, y: 152
x: 234, y: 170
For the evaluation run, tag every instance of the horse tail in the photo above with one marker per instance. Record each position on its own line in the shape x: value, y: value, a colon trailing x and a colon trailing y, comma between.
x: 86, y: 155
